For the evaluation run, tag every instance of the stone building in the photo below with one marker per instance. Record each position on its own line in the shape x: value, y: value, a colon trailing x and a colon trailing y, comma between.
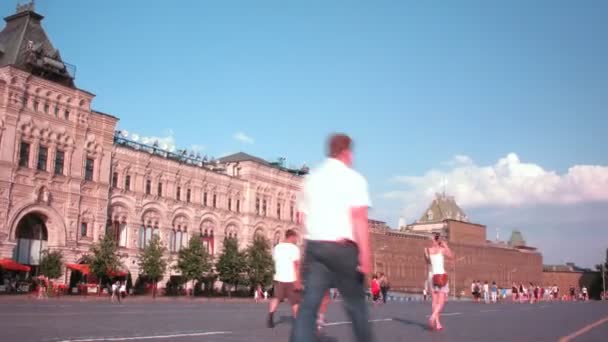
x: 399, y: 253
x: 67, y: 177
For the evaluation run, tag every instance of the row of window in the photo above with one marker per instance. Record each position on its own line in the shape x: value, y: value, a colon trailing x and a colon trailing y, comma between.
x: 262, y: 211
x: 178, y: 192
x: 46, y: 108
x: 178, y: 238
x: 58, y: 163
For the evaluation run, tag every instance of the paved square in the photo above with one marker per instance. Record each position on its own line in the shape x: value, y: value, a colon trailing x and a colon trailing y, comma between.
x: 72, y: 320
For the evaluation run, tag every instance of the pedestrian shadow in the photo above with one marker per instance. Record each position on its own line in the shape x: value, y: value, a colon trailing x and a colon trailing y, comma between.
x: 324, y: 338
x: 285, y: 320
x: 404, y: 321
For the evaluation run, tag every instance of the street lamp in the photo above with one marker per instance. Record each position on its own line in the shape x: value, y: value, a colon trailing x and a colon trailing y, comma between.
x: 454, y: 282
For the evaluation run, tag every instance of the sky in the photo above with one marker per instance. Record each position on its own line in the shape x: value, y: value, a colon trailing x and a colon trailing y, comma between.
x: 503, y: 105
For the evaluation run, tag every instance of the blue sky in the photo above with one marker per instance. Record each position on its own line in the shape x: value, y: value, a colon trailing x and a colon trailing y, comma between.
x: 415, y: 84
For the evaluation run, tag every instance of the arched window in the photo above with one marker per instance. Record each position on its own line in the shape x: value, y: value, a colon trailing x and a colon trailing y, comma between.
x: 277, y: 238
x: 142, y: 236
x: 148, y: 235
x: 122, y: 240
x: 172, y: 240
x: 207, y: 228
x: 178, y: 241
x: 184, y: 237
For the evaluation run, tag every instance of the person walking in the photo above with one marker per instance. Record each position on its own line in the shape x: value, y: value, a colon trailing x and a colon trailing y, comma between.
x: 122, y: 291
x: 384, y: 286
x: 333, y: 206
x: 286, y: 257
x: 437, y: 253
x: 494, y: 292
x: 486, y: 292
x: 375, y: 289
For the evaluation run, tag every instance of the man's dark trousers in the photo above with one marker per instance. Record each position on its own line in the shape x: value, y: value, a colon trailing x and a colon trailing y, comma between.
x: 328, y: 264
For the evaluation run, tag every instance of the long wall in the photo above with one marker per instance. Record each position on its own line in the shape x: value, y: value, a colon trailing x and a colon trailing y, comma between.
x: 401, y: 257
x: 566, y: 280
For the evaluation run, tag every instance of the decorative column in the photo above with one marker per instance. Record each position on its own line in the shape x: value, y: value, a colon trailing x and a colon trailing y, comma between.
x: 50, y: 163
x: 67, y: 167
x: 33, y: 157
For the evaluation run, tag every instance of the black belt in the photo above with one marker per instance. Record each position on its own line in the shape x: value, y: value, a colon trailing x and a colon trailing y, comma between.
x: 347, y: 242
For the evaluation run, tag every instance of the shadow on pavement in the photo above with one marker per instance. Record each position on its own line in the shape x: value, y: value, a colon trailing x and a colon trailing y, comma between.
x: 285, y: 320
x: 404, y: 321
x: 324, y: 338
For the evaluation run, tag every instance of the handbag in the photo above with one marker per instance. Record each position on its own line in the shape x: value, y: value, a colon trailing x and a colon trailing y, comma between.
x: 440, y: 280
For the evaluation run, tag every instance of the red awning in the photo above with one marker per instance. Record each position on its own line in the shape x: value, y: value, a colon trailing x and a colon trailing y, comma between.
x: 12, y: 265
x: 82, y: 268
x: 117, y: 274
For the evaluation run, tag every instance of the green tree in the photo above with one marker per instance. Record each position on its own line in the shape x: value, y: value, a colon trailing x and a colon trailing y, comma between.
x: 260, y: 266
x: 232, y: 264
x: 193, y: 261
x: 152, y: 263
x: 602, y: 279
x: 50, y: 264
x: 103, y: 258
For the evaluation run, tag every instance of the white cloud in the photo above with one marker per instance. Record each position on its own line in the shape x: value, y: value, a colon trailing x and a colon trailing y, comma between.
x: 197, y: 148
x: 166, y: 142
x: 243, y: 138
x: 508, y: 183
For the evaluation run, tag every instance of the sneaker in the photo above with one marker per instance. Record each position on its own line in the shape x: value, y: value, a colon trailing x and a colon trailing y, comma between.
x: 270, y: 322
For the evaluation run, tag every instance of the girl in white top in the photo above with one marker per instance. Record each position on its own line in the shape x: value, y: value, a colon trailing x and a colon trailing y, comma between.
x: 435, y: 256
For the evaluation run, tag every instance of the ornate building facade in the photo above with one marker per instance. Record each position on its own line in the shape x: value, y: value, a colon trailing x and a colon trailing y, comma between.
x: 67, y: 177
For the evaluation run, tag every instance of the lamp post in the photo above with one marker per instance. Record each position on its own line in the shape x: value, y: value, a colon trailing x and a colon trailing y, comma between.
x: 454, y: 282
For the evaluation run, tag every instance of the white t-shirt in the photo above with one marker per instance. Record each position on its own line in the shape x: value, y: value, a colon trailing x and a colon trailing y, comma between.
x: 486, y: 288
x: 328, y: 195
x: 284, y: 255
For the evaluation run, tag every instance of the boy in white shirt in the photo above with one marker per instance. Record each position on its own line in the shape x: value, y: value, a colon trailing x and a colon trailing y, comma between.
x: 286, y: 257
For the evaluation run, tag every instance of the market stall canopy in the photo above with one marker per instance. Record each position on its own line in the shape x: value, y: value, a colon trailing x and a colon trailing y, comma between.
x: 82, y: 268
x: 12, y: 265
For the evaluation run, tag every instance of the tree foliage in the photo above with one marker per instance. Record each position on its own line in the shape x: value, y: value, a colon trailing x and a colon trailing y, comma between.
x: 260, y: 265
x: 151, y: 261
x: 232, y: 263
x: 103, y: 257
x: 193, y: 261
x: 597, y: 284
x: 50, y: 264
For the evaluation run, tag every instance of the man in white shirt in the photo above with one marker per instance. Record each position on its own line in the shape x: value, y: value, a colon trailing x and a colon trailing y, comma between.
x: 333, y: 204
x: 286, y: 257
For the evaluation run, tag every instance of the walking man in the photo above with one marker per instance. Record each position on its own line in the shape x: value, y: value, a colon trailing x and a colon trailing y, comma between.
x: 286, y: 257
x: 333, y: 204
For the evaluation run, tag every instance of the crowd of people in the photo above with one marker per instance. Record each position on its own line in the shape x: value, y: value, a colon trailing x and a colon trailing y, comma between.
x: 530, y: 293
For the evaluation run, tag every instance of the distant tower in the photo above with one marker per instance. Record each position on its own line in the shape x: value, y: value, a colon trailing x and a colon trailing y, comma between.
x: 401, y: 223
